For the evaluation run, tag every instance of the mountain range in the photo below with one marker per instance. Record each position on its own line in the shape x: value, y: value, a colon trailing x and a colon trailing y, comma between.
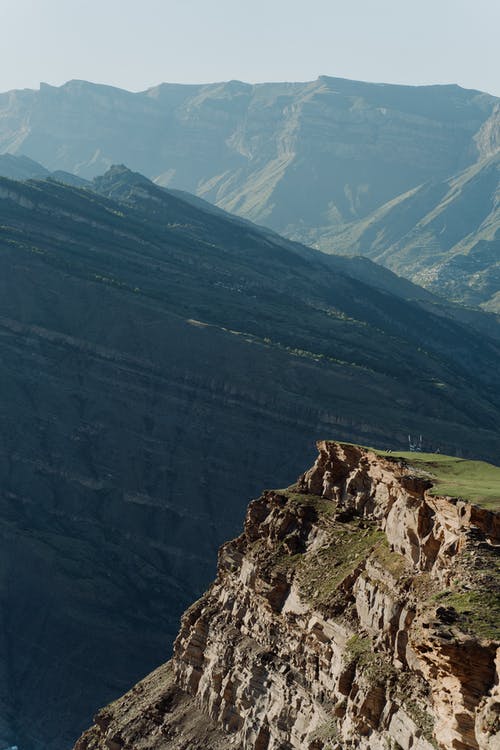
x: 384, y: 170
x: 444, y: 235
x: 157, y: 355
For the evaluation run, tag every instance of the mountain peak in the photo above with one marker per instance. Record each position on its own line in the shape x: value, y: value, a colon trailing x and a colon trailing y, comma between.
x: 118, y: 179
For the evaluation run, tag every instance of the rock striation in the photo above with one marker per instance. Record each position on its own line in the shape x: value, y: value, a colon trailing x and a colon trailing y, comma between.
x: 358, y: 609
x: 300, y: 158
x: 406, y: 175
x: 443, y: 235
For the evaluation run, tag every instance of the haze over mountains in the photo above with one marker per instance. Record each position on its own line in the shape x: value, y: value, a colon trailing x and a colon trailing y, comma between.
x: 309, y: 160
x: 444, y: 235
x: 157, y: 354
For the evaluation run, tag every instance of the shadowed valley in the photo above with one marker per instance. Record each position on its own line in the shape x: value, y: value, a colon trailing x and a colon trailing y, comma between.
x: 159, y: 360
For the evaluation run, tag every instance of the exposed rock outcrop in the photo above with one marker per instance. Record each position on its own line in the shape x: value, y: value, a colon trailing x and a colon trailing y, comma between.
x: 357, y: 610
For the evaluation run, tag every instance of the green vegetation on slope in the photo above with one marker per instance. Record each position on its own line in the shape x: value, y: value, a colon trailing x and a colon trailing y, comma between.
x: 474, y: 594
x: 475, y: 481
x: 478, y: 611
x: 323, y: 576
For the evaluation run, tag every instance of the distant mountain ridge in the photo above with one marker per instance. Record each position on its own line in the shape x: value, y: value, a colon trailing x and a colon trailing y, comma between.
x: 293, y: 156
x: 349, y: 241
x: 341, y: 165
x: 444, y: 235
x: 21, y: 168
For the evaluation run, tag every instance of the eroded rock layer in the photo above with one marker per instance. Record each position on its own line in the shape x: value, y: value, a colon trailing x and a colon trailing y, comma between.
x: 357, y: 610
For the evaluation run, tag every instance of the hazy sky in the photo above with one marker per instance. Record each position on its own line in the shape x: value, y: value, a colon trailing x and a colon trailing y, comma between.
x: 139, y: 43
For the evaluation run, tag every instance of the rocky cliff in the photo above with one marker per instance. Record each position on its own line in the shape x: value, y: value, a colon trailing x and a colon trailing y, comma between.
x: 359, y: 609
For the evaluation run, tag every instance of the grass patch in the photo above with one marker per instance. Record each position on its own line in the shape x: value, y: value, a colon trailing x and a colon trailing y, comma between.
x: 281, y: 561
x: 376, y: 667
x: 423, y: 720
x: 475, y: 481
x: 321, y: 575
x: 326, y: 733
x: 358, y: 649
x: 393, y: 562
x: 324, y: 507
x: 479, y: 611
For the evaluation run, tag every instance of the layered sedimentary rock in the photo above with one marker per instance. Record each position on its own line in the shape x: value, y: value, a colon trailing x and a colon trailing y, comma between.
x: 357, y: 610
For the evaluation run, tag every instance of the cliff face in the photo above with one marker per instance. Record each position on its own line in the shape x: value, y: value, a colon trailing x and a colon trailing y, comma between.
x: 357, y: 610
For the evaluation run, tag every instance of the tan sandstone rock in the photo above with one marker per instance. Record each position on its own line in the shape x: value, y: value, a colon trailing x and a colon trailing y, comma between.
x: 335, y: 622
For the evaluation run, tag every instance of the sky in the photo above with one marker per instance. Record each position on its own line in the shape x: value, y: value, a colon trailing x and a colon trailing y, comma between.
x: 135, y: 44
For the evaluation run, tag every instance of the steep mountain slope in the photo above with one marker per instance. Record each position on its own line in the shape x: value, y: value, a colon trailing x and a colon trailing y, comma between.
x: 128, y: 187
x: 20, y: 167
x: 444, y: 235
x: 358, y: 610
x: 152, y: 351
x: 297, y: 157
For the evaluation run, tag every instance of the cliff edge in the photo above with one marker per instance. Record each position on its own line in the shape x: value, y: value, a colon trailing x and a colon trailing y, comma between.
x: 358, y: 609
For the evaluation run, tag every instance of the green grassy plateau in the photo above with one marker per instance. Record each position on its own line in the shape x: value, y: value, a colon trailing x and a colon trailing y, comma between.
x: 475, y: 481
